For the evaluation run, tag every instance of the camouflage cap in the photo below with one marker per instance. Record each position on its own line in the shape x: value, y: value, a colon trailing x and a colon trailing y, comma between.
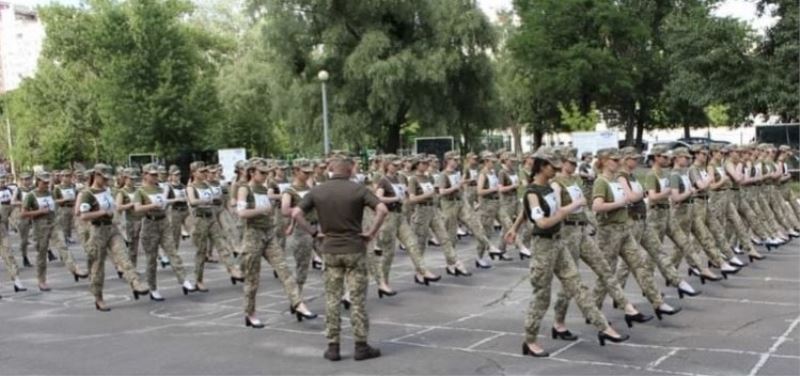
x: 586, y: 154
x: 452, y: 154
x: 131, y: 172
x: 508, y: 156
x: 728, y: 148
x: 715, y: 147
x: 784, y: 148
x: 150, y: 169
x: 488, y: 156
x: 612, y: 153
x: 261, y: 165
x: 630, y: 152
x: 174, y: 170
x: 659, y: 150
x: 549, y: 155
x: 66, y: 171
x: 697, y: 148
x: 239, y: 165
x: 25, y: 175
x: 197, y: 166
x: 104, y: 170
x: 303, y: 165
x: 162, y: 170
x: 471, y: 155
x: 681, y: 152
x: 213, y: 167
x: 43, y: 176
x: 569, y: 154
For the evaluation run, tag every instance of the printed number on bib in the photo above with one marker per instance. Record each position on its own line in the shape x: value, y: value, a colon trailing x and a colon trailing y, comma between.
x: 454, y: 179
x: 492, y: 181
x: 426, y: 187
x: 536, y: 213
x: 575, y: 193
x: 282, y: 187
x: 262, y: 201
x: 104, y: 200
x: 158, y: 198
x: 636, y: 187
x: 552, y: 202
x: 399, y: 190
x: 68, y: 194
x: 514, y: 179
x: 46, y: 202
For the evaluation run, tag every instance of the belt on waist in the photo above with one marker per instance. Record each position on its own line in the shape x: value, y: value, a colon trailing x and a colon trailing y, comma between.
x: 575, y: 223
x: 686, y: 202
x: 68, y: 205
x: 660, y: 206
x: 155, y: 217
x: 5, y: 203
x: 492, y: 197
x: 101, y: 222
x: 427, y: 203
x: 546, y: 236
x: 180, y: 207
x: 637, y: 216
x: 734, y: 189
x: 203, y: 214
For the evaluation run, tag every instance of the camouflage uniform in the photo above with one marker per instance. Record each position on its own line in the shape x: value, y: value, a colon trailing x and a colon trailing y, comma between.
x: 616, y: 240
x: 207, y: 231
x: 23, y: 225
x: 424, y: 219
x: 45, y: 230
x: 300, y: 244
x: 133, y: 220
x: 489, y: 204
x: 580, y: 245
x: 221, y: 216
x: 717, y: 208
x: 679, y: 227
x: 178, y: 211
x: 395, y: 227
x: 65, y: 217
x: 156, y: 231
x: 550, y: 257
x: 346, y: 270
x: 509, y: 204
x: 700, y: 215
x: 104, y: 237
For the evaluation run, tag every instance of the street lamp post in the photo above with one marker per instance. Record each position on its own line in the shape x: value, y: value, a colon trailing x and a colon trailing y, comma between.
x: 323, y: 77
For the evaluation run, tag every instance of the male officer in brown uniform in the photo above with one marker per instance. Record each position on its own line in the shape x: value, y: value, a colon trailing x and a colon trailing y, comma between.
x: 340, y: 207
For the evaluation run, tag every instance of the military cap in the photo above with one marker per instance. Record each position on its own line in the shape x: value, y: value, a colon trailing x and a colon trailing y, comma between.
x: 681, y: 152
x: 488, y: 155
x: 509, y: 156
x: 548, y: 154
x: 612, y: 153
x: 103, y: 169
x: 261, y: 165
x: 239, y: 164
x: 728, y: 148
x: 213, y: 167
x: 569, y: 154
x: 25, y: 175
x: 416, y: 160
x: 197, y: 166
x: 586, y: 154
x: 303, y: 164
x: 174, y: 170
x: 43, y: 176
x: 320, y: 162
x: 697, y: 148
x: 784, y: 148
x: 452, y: 154
x: 149, y: 169
x: 131, y: 172
x: 630, y: 152
x: 161, y: 169
x: 659, y: 150
x: 715, y: 147
x: 471, y: 155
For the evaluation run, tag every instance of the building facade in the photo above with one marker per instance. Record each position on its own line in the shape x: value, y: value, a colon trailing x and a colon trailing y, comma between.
x: 21, y: 37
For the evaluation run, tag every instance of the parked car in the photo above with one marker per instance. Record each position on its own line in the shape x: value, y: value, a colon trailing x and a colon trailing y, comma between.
x: 701, y: 140
x: 681, y: 142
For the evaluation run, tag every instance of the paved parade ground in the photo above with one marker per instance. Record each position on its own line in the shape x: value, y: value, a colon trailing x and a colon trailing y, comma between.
x: 747, y: 325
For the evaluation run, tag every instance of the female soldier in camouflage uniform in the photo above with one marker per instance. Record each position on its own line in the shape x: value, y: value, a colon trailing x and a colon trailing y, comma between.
x: 179, y: 209
x: 568, y: 188
x: 96, y: 207
x: 22, y: 224
x: 739, y: 205
x: 206, y: 228
x: 64, y: 195
x: 509, y: 204
x: 550, y: 257
x: 299, y: 243
x: 255, y: 208
x: 489, y: 189
x: 719, y: 186
x: 614, y: 236
x: 133, y: 221
x: 39, y: 206
x: 277, y: 185
x: 5, y: 249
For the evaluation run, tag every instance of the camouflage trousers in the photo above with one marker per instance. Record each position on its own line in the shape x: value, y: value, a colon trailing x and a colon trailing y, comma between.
x: 177, y: 217
x: 457, y: 211
x: 133, y: 231
x: 158, y: 233
x: 300, y: 245
x: 23, y: 226
x: 207, y: 232
x: 6, y: 254
x: 257, y: 243
x: 702, y: 234
x: 581, y: 246
x: 66, y: 220
x: 679, y: 230
x: 348, y: 270
x: 5, y: 215
x: 47, y: 233
x: 763, y: 211
x: 395, y: 227
x: 506, y: 215
x: 734, y: 223
x: 748, y: 213
x: 649, y: 234
x: 280, y: 226
x: 716, y: 219
x: 228, y: 225
x: 551, y: 258
x: 619, y: 245
x: 785, y: 218
x: 102, y: 240
x: 491, y: 210
x: 424, y: 219
x: 83, y: 230
x: 791, y: 197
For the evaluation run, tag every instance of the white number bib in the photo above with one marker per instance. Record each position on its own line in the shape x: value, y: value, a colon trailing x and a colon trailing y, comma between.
x: 616, y: 191
x: 426, y: 187
x: 455, y: 179
x: 46, y: 202
x: 179, y: 193
x: 399, y: 190
x: 664, y: 183
x: 5, y: 195
x: 261, y: 201
x: 575, y: 193
x: 721, y: 172
x: 205, y: 194
x: 216, y: 192
x: 492, y: 181
x: 687, y: 184
x: 158, y: 198
x: 68, y: 194
x: 104, y: 201
x: 514, y: 179
x: 282, y: 187
x: 473, y: 174
x: 552, y: 202
x: 636, y: 187
x: 704, y: 175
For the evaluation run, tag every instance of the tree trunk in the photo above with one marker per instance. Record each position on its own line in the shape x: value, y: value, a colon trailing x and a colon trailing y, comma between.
x: 639, y: 131
x: 538, y: 135
x: 687, y: 131
x: 516, y: 134
x: 392, y: 138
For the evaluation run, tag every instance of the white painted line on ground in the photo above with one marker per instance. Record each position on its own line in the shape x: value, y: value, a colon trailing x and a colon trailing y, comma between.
x: 774, y: 347
x: 487, y: 339
x: 660, y: 360
x: 565, y: 348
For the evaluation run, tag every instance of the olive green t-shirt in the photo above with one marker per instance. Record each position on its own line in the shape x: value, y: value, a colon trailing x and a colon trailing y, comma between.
x: 297, y: 193
x: 609, y: 191
x: 679, y: 179
x: 719, y: 174
x: 128, y: 194
x: 257, y: 198
x: 571, y: 189
x: 658, y: 182
x: 65, y: 192
x: 92, y: 199
x: 151, y: 195
x: 420, y: 184
x: 36, y: 200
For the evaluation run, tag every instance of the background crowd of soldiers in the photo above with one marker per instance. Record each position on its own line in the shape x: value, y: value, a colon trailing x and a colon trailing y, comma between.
x: 717, y: 203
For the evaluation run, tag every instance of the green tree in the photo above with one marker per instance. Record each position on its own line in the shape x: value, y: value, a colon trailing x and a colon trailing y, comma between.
x: 781, y: 52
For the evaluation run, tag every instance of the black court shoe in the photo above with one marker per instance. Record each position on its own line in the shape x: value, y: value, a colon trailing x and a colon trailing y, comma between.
x: 234, y: 280
x: 639, y: 317
x: 345, y: 303
x: 565, y: 335
x: 19, y: 288
x: 704, y: 278
x: 381, y: 293
x: 316, y: 265
x: 101, y: 309
x: 482, y: 266
x: 660, y: 312
x: 26, y: 263
x: 255, y: 324
x: 527, y: 351
x: 80, y: 276
x: 603, y: 337
x: 137, y: 294
x: 754, y: 257
x: 457, y: 272
x: 424, y: 280
x: 51, y: 256
x: 682, y: 292
x: 499, y: 256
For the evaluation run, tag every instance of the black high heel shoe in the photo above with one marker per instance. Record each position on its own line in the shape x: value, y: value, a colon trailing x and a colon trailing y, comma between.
x: 301, y: 315
x: 703, y: 279
x: 137, y: 294
x: 164, y: 264
x: 639, y: 317
x: 186, y: 291
x: 80, y: 276
x: 499, y: 256
x: 19, y: 289
x: 565, y: 335
x: 433, y: 279
x: 51, y: 256
x: 234, y: 280
x: 26, y: 263
x: 660, y: 312
x: 481, y: 266
x: 770, y: 247
x: 424, y: 280
x: 253, y: 324
x: 693, y: 272
x: 101, y: 309
x: 457, y: 272
x: 345, y: 303
x: 527, y: 351
x: 316, y: 265
x: 682, y: 292
x: 754, y: 257
x: 603, y: 337
x: 726, y: 272
x: 119, y: 274
x: 381, y: 293
x: 275, y: 274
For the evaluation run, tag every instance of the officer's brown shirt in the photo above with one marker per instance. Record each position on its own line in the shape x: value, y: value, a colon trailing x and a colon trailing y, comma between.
x: 340, y: 208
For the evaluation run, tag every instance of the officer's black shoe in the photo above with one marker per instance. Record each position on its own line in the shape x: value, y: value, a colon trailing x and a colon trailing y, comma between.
x: 332, y: 353
x: 365, y: 351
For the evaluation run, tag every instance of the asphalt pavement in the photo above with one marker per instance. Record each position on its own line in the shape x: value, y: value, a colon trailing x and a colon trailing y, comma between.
x: 746, y: 325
